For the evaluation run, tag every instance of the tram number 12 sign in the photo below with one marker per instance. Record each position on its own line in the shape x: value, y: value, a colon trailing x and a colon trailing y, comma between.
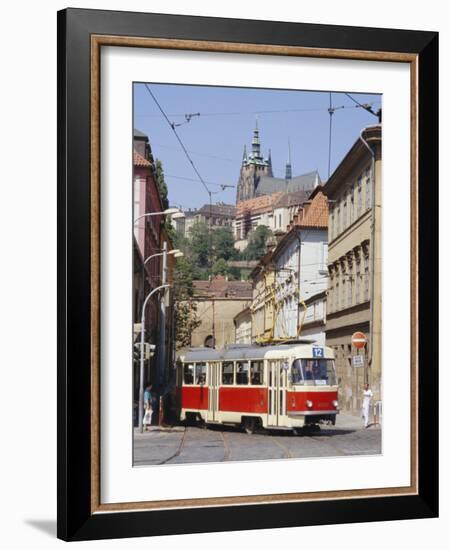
x: 317, y: 352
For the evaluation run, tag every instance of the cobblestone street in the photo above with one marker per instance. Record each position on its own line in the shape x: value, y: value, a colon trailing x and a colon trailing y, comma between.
x: 180, y: 445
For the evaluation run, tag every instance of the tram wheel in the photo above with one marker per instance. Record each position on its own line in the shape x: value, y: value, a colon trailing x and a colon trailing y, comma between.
x: 251, y: 425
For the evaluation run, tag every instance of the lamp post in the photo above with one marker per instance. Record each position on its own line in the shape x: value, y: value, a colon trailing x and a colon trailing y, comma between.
x: 168, y: 212
x: 141, y: 369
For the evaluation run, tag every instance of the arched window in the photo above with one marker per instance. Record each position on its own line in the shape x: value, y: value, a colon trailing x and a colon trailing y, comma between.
x: 209, y: 341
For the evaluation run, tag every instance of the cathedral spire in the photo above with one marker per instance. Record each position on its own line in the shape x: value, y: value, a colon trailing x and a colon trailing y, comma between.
x: 244, y: 156
x: 256, y: 144
x: 288, y: 175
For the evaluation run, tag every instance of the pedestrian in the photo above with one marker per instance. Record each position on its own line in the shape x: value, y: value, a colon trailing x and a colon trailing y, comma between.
x: 148, y: 409
x: 367, y: 400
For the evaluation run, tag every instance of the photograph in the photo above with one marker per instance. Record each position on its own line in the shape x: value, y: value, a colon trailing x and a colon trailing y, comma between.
x: 256, y: 269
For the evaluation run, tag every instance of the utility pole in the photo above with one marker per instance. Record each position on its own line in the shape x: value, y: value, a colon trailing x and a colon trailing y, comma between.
x: 162, y: 318
x: 142, y: 356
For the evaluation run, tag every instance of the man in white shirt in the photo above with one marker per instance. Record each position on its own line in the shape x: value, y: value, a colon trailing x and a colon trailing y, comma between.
x: 367, y: 400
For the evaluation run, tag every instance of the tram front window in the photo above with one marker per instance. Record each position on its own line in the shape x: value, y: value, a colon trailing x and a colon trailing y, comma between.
x: 313, y: 372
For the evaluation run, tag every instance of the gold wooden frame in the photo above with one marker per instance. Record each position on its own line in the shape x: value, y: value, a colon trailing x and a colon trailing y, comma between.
x: 97, y: 41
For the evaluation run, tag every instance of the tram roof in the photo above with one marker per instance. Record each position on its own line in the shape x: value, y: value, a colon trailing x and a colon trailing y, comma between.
x: 239, y: 351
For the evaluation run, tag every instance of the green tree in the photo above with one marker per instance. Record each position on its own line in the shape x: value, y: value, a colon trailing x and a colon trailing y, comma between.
x: 200, y: 244
x: 257, y: 241
x: 220, y: 267
x: 162, y: 185
x: 185, y: 309
x: 223, y: 244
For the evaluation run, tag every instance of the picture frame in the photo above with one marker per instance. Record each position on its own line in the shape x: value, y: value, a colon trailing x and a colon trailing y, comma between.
x: 81, y: 35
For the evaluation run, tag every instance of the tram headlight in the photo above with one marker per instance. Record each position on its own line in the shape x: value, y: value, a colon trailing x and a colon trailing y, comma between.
x: 335, y: 404
x: 309, y: 404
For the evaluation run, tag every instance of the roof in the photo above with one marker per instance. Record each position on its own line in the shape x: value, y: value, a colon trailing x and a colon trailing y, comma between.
x: 250, y: 351
x: 268, y: 185
x: 258, y: 204
x: 354, y: 157
x: 220, y: 287
x: 315, y: 212
x: 137, y: 133
x: 295, y: 198
x: 140, y: 161
x: 228, y: 210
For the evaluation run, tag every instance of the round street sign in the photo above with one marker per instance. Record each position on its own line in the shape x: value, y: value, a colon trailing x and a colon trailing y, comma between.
x: 359, y: 340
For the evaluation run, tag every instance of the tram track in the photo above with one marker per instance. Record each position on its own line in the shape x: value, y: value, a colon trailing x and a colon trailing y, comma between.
x: 284, y: 448
x: 226, y: 448
x: 178, y: 451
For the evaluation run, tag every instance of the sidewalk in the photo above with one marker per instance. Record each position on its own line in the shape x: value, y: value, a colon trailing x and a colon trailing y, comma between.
x: 161, y: 429
x: 353, y: 422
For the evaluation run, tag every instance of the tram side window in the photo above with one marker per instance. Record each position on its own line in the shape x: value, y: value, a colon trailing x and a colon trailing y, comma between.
x: 200, y: 373
x: 256, y: 373
x: 242, y: 370
x: 188, y: 373
x: 227, y: 374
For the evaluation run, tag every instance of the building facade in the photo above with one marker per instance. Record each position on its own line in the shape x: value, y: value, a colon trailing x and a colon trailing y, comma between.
x: 313, y: 318
x: 300, y: 265
x: 149, y: 238
x: 214, y: 215
x: 243, y: 327
x: 354, y: 264
x: 218, y: 301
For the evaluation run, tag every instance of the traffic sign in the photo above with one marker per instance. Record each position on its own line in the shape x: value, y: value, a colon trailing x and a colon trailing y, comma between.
x: 359, y: 340
x: 358, y: 361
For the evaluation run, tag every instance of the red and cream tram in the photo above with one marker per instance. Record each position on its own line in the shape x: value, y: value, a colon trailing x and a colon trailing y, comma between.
x: 286, y: 386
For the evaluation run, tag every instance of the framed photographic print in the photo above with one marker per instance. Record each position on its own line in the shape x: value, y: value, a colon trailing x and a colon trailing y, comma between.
x: 247, y: 274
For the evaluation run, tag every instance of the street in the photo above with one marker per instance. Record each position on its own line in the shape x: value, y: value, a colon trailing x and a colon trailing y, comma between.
x: 183, y: 445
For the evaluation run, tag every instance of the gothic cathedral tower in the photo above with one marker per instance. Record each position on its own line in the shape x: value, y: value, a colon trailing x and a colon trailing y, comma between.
x: 253, y: 167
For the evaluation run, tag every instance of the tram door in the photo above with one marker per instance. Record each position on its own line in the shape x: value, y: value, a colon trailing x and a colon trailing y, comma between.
x: 273, y: 398
x: 213, y: 392
x: 277, y: 379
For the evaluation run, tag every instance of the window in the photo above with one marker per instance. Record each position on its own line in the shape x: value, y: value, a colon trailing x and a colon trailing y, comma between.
x: 331, y: 225
x: 200, y: 373
x: 257, y: 373
x: 368, y: 189
x: 350, y: 291
x: 366, y: 283
x: 227, y: 374
x: 313, y: 372
x: 337, y: 296
x: 357, y: 282
x: 344, y: 214
x: 359, y: 212
x: 351, y: 203
x: 189, y: 373
x: 338, y: 221
x: 242, y: 371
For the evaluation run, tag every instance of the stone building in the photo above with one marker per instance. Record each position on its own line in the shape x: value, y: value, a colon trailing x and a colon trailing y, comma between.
x: 214, y: 216
x: 275, y: 211
x: 218, y: 301
x: 354, y: 264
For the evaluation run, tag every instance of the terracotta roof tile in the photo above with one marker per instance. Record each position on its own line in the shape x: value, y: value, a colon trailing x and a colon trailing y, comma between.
x: 140, y: 161
x: 315, y: 212
x: 258, y: 204
x: 219, y: 287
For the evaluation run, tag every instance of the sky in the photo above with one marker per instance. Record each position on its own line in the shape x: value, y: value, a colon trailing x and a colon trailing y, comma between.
x: 215, y: 139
